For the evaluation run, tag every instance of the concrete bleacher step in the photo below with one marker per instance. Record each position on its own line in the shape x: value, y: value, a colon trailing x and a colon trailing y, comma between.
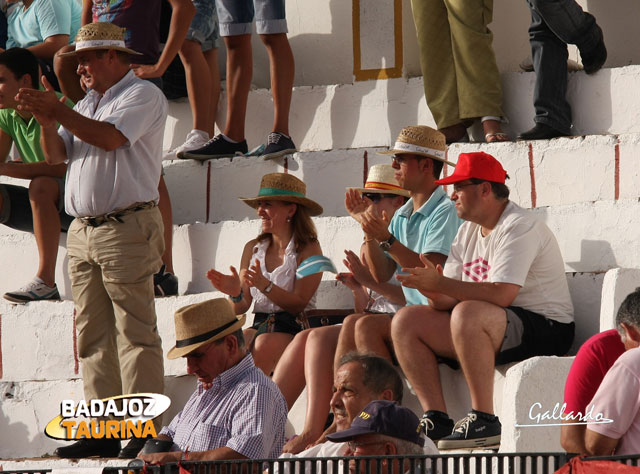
x: 371, y: 113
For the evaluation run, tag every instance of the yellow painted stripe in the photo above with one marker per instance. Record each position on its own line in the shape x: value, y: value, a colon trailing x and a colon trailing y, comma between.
x: 381, y: 73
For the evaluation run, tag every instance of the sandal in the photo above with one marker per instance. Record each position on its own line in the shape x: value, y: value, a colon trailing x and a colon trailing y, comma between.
x: 496, y: 137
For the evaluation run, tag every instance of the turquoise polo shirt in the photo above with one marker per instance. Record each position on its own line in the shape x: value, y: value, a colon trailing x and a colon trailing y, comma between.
x: 42, y: 19
x: 430, y: 229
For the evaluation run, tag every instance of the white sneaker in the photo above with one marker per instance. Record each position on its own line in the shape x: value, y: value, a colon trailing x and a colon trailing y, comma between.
x: 33, y: 291
x: 195, y: 139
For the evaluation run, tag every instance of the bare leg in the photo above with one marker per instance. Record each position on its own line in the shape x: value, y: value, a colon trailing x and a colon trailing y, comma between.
x: 164, y: 205
x: 373, y: 335
x: 196, y: 72
x: 318, y: 371
x: 239, y: 73
x: 282, y: 69
x: 43, y: 194
x: 418, y: 334
x: 484, y: 324
x: 289, y: 373
x: 268, y: 349
x: 211, y: 57
x: 347, y: 339
x: 249, y: 334
x: 65, y: 68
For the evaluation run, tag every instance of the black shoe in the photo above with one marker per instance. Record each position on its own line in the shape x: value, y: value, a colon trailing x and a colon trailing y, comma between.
x: 436, y: 424
x: 217, y: 147
x: 278, y: 145
x: 541, y: 132
x: 84, y: 448
x: 164, y: 283
x: 593, y: 60
x: 474, y: 430
x: 133, y: 447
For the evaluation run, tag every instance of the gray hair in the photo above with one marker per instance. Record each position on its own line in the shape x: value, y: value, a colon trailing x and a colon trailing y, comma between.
x: 379, y: 374
x: 238, y: 334
x: 629, y: 312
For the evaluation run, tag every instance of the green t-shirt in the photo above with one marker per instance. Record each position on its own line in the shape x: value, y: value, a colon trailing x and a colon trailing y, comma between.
x: 25, y: 133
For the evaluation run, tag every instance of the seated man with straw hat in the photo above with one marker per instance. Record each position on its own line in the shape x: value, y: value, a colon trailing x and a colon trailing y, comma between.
x: 236, y: 411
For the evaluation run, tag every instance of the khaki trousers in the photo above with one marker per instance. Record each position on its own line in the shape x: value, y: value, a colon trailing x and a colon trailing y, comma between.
x: 111, y: 269
x: 461, y: 78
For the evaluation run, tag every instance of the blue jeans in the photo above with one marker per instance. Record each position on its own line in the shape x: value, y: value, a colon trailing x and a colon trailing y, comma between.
x: 236, y: 16
x: 554, y: 24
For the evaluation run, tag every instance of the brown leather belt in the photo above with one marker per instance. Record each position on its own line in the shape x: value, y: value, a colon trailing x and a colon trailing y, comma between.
x: 116, y: 216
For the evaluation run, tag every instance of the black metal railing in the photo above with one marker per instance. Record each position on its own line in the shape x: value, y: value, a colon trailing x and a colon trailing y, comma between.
x: 472, y: 463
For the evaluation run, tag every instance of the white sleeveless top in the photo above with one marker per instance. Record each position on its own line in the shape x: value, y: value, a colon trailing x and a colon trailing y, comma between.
x: 283, y: 276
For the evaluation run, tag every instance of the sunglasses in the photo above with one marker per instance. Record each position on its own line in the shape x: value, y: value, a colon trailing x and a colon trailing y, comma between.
x: 376, y: 197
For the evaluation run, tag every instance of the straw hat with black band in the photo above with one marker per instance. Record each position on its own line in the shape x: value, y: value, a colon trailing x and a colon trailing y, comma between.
x: 283, y: 187
x: 422, y: 141
x: 100, y: 35
x: 381, y: 180
x: 201, y: 323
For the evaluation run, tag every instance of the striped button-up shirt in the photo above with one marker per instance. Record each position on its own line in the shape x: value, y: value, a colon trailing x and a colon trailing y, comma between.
x: 243, y: 410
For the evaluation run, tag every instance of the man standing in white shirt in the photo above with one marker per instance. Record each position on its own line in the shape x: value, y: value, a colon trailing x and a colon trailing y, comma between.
x: 502, y: 297
x: 112, y: 141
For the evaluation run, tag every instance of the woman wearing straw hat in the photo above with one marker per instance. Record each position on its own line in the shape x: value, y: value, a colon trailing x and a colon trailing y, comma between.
x: 271, y: 273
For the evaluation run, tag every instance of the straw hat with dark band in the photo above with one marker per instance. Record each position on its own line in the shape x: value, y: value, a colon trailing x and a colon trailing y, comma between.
x: 100, y: 35
x: 283, y: 187
x: 420, y: 140
x: 201, y: 323
x: 381, y: 180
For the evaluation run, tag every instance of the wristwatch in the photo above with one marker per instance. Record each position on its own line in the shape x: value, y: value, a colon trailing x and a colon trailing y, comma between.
x: 268, y: 288
x: 386, y: 244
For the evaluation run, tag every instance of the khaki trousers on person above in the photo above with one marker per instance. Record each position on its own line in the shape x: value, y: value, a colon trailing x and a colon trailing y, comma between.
x: 111, y: 269
x: 459, y: 70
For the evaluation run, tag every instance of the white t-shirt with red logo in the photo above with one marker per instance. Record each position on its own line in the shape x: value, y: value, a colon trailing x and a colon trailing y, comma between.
x: 520, y: 250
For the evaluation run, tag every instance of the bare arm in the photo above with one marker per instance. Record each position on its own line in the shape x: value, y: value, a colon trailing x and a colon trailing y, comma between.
x: 49, y: 46
x: 218, y: 454
x: 232, y: 285
x: 32, y: 170
x: 87, y: 13
x: 597, y: 444
x: 572, y: 438
x: 48, y: 109
x: 182, y: 14
x: 429, y: 280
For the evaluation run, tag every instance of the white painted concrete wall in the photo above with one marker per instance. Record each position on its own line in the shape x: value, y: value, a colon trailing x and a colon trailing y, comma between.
x: 321, y: 36
x: 371, y: 113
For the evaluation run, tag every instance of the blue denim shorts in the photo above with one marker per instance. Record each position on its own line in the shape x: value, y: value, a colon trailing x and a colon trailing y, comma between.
x: 236, y: 17
x: 204, y: 26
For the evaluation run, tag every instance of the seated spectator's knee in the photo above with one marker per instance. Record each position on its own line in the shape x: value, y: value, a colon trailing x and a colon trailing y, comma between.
x: 349, y: 322
x: 367, y: 323
x: 405, y: 319
x: 468, y: 317
x: 44, y: 189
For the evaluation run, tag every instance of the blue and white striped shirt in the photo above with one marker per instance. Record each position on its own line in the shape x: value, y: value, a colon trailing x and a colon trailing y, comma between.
x: 243, y: 410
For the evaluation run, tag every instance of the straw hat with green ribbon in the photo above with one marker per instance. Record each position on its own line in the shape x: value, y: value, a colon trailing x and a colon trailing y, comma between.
x: 283, y: 187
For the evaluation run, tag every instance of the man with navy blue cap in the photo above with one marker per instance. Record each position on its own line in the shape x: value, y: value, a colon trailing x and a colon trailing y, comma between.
x: 384, y: 428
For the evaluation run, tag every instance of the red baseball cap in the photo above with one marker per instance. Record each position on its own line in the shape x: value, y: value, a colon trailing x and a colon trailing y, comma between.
x: 478, y: 165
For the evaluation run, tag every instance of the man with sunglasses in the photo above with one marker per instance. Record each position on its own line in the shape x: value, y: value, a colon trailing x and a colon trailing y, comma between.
x: 425, y: 225
x: 502, y: 297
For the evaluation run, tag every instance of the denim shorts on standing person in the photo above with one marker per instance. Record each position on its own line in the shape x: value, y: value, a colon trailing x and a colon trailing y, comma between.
x: 236, y: 16
x: 204, y: 26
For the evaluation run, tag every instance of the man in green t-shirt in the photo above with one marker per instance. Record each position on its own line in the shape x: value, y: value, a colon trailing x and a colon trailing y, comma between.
x: 40, y: 207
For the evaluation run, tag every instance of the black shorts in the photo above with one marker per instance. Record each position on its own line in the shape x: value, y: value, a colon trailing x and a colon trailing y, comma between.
x: 529, y: 334
x: 280, y: 322
x: 16, y: 207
